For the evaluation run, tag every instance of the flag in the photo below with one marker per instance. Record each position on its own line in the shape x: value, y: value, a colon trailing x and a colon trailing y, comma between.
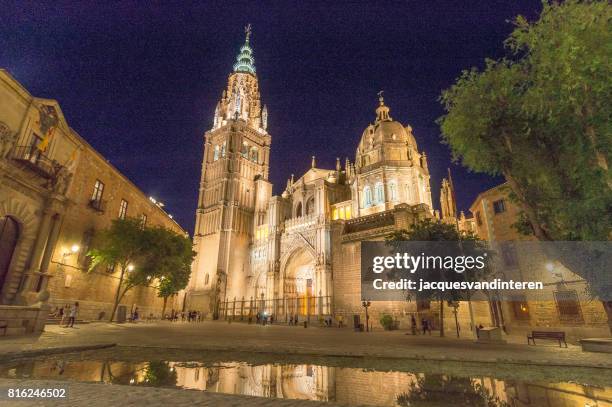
x: 44, y: 143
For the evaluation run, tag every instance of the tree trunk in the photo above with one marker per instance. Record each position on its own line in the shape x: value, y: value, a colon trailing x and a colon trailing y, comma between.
x: 530, y: 212
x: 608, y: 307
x: 118, y: 294
x: 441, y: 318
x: 164, y: 307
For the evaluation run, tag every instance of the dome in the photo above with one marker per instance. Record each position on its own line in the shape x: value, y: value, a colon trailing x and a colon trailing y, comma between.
x: 388, y: 131
x: 386, y: 139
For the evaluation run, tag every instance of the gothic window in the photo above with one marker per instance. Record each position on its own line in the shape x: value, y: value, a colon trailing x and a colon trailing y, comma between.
x: 379, y: 192
x: 254, y: 155
x: 206, y: 280
x: 223, y: 149
x: 367, y: 197
x: 393, y: 191
x: 216, y: 153
x: 408, y: 193
x: 310, y: 206
x: 245, y: 150
x: 298, y: 210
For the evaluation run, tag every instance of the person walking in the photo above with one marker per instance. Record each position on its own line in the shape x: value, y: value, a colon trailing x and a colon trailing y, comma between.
x: 74, y: 311
x: 340, y: 321
x: 413, y: 325
x: 424, y: 325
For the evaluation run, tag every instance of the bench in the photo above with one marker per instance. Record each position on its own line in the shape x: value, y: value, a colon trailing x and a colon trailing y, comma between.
x: 559, y: 336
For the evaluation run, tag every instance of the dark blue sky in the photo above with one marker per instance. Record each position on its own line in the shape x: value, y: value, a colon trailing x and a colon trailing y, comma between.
x: 140, y: 83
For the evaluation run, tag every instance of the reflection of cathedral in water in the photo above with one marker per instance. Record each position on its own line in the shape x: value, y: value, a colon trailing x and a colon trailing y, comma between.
x: 348, y: 386
x: 305, y: 382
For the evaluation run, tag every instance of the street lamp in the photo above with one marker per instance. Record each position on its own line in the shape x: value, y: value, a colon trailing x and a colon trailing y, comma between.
x: 130, y: 267
x: 74, y: 249
x: 366, y: 304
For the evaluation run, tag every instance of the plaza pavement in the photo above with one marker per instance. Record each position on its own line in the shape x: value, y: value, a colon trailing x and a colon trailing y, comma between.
x: 103, y: 395
x: 296, y: 340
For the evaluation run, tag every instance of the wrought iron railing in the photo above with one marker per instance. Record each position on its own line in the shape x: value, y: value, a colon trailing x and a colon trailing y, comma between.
x: 282, y: 310
x: 36, y: 160
x: 97, y: 204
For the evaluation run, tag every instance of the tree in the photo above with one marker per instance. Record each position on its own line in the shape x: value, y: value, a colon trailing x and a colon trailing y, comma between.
x: 171, y: 257
x: 541, y: 118
x: 121, y: 245
x: 467, y: 244
x: 143, y: 254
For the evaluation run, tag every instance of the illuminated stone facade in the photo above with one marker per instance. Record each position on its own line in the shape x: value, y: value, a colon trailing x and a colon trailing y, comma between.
x: 296, y: 254
x: 565, y: 304
x: 56, y: 191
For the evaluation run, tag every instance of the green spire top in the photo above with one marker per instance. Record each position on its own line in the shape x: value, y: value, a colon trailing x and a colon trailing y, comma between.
x: 245, y: 61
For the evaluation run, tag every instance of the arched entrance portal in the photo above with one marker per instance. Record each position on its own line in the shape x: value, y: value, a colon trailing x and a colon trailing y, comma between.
x: 299, y: 284
x: 9, y: 234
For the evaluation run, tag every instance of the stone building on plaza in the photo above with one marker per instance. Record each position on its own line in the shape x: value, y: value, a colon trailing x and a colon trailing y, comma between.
x: 563, y: 306
x: 56, y: 191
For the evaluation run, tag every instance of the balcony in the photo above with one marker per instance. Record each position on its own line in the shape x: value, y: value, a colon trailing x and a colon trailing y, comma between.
x: 97, y: 205
x: 34, y: 159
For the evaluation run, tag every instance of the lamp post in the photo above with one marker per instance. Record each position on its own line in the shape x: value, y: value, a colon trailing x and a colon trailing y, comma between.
x: 366, y: 304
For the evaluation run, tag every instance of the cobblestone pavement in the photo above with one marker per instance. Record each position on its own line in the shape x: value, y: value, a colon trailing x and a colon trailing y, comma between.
x: 104, y: 395
x: 284, y: 340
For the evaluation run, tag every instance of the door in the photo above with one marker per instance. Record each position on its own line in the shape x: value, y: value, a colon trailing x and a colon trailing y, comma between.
x: 9, y: 233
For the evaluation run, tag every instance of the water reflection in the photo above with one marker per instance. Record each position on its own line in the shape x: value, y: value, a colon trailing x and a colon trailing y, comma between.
x: 313, y: 382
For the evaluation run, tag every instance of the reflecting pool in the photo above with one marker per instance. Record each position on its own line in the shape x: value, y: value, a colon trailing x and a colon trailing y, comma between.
x: 345, y: 385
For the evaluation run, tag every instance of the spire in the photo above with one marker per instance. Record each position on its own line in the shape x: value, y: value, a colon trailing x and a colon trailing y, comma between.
x: 245, y: 61
x: 382, y: 112
x: 314, y: 162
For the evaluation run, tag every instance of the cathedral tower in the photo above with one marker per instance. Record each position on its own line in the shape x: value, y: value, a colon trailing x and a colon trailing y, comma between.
x: 234, y: 189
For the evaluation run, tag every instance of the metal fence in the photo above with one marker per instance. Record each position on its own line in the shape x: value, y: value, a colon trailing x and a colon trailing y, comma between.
x: 279, y: 309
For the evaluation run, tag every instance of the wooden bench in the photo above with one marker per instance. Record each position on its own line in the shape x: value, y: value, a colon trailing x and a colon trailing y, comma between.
x: 559, y: 336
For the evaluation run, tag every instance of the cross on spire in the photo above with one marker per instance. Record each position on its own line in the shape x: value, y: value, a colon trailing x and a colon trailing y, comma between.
x: 380, y: 97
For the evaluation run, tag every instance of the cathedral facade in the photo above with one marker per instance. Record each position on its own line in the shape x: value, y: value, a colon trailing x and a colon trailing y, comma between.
x: 298, y: 253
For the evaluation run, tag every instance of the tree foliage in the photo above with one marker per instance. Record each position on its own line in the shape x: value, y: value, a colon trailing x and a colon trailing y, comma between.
x: 459, y: 244
x: 542, y: 120
x: 144, y: 256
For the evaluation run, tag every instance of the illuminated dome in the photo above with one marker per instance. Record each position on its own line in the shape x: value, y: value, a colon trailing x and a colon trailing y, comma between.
x: 385, y: 140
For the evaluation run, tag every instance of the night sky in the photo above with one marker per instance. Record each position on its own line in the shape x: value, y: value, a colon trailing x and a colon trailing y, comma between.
x: 141, y: 83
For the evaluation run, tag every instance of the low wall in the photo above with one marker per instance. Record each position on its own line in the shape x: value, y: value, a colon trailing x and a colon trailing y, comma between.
x: 22, y: 320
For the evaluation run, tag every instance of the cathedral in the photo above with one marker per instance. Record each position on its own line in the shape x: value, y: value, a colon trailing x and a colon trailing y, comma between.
x: 298, y: 253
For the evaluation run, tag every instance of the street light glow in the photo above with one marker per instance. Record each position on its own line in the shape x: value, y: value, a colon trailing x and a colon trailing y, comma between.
x: 75, y: 248
x: 130, y: 267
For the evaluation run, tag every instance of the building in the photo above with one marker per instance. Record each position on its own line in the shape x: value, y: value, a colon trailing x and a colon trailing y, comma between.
x: 56, y: 191
x: 298, y: 253
x: 564, y: 306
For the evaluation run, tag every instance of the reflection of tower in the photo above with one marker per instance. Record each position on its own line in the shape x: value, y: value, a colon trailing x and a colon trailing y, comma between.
x: 234, y: 176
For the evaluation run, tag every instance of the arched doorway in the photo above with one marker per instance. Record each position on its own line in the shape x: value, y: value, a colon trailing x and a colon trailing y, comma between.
x: 299, y: 283
x: 9, y: 235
